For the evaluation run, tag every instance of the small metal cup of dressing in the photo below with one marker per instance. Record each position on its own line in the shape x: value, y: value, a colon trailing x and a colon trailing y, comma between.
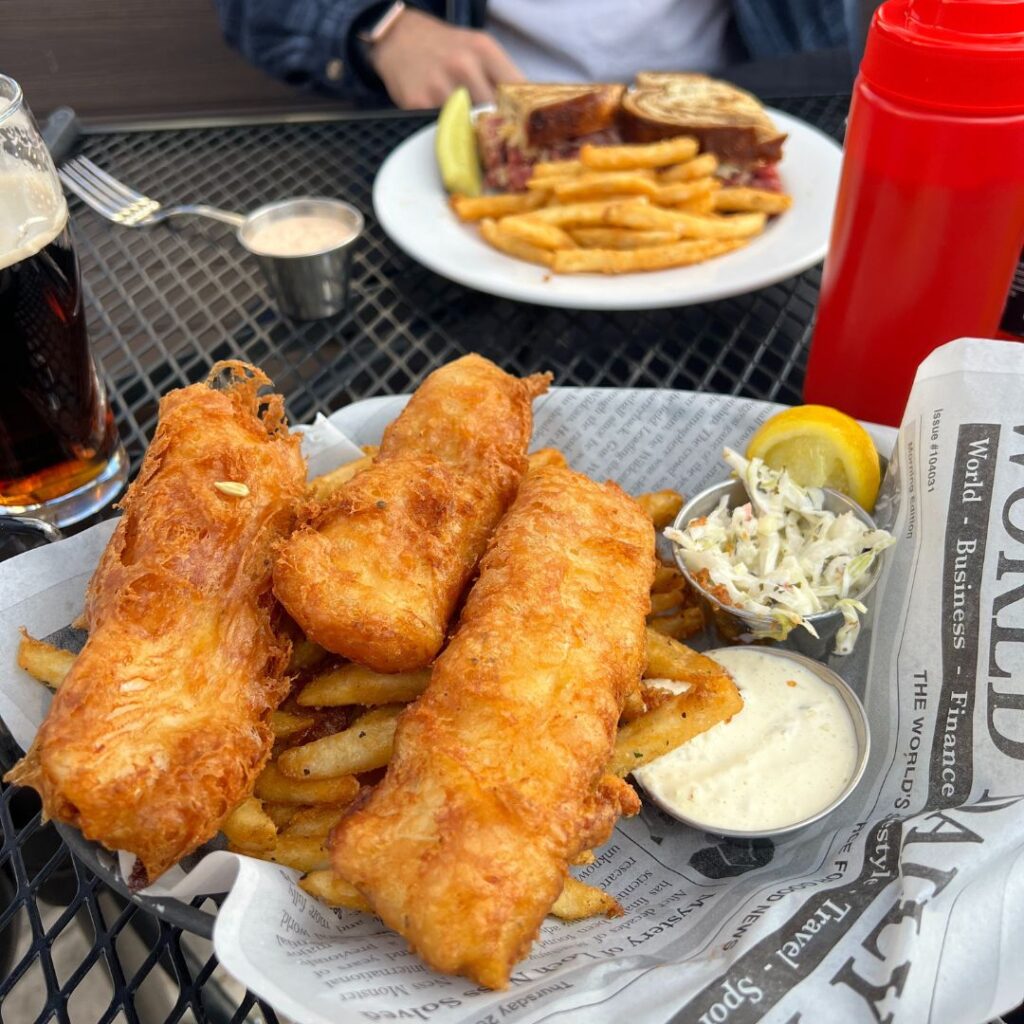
x: 735, y: 625
x: 862, y: 735
x: 309, y: 285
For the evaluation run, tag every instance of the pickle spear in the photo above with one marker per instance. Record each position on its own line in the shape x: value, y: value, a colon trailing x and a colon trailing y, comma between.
x: 455, y: 145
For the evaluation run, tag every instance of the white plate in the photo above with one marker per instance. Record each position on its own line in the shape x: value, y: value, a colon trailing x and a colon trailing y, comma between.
x: 412, y: 207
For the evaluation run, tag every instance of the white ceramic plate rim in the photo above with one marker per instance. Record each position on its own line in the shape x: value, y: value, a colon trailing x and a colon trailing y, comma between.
x: 411, y: 205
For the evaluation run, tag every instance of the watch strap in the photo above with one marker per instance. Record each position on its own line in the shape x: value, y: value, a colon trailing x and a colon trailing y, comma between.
x: 374, y: 33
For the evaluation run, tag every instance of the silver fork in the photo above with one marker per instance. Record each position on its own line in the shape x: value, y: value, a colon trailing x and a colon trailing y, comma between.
x: 123, y: 205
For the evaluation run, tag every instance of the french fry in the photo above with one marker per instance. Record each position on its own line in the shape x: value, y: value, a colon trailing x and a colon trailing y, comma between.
x: 542, y: 185
x: 468, y: 208
x: 579, y: 900
x: 304, y: 853
x: 733, y: 200
x: 687, y: 623
x: 314, y: 821
x: 703, y: 203
x: 364, y: 745
x: 666, y: 601
x: 305, y: 655
x: 544, y: 236
x: 557, y: 168
x: 666, y: 577
x: 596, y: 213
x: 656, y: 154
x: 739, y: 225
x: 355, y: 684
x: 693, y: 622
x: 284, y: 724
x: 593, y: 186
x: 669, y: 659
x: 681, y: 717
x: 661, y: 506
x: 643, y: 218
x: 321, y: 487
x: 621, y: 238
x: 333, y: 891
x: 682, y: 191
x: 248, y: 826
x: 661, y: 257
x: 699, y: 167
x: 512, y: 246
x: 43, y: 661
x: 544, y: 457
x: 279, y: 788
x: 280, y: 814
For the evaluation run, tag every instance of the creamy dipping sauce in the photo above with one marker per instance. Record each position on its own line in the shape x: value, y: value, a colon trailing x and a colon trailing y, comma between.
x: 787, y: 755
x: 301, y: 235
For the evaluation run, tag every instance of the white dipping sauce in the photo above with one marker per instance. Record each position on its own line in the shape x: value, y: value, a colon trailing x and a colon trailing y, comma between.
x: 301, y: 235
x: 787, y: 755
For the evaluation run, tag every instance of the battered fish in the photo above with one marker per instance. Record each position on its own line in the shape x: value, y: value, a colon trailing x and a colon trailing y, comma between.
x: 161, y: 726
x: 498, y: 777
x: 377, y: 571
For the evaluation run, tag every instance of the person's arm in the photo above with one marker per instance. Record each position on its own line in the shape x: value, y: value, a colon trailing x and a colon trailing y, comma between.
x: 422, y: 59
x: 302, y: 42
x: 314, y: 44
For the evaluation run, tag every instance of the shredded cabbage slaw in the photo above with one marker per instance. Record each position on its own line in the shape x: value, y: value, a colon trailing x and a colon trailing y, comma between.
x: 782, y: 555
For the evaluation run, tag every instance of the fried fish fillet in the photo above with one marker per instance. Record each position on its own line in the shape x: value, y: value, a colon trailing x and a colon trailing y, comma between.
x: 376, y: 572
x: 498, y: 778
x: 161, y: 726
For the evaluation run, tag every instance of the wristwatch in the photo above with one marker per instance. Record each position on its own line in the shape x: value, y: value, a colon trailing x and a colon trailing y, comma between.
x: 374, y: 33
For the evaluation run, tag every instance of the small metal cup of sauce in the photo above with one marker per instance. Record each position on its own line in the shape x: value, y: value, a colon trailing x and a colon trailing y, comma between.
x: 304, y: 248
x: 799, y: 753
x: 734, y: 625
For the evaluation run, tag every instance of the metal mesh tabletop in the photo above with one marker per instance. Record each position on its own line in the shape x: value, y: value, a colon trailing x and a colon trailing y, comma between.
x: 163, y: 305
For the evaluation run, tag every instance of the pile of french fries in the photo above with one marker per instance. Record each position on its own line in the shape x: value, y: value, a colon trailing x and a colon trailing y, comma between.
x: 620, y: 209
x: 335, y: 732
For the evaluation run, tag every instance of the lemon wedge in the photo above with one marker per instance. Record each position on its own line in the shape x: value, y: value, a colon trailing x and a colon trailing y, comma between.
x: 820, y: 447
x: 455, y: 146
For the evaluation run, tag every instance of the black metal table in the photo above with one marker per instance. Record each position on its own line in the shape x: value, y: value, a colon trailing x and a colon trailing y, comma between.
x: 163, y: 305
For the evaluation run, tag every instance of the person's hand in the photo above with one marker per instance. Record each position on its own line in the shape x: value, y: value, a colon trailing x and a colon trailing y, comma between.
x: 422, y: 60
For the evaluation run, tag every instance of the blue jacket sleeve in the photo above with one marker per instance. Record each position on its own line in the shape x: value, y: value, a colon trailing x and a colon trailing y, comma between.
x: 776, y: 28
x: 307, y: 43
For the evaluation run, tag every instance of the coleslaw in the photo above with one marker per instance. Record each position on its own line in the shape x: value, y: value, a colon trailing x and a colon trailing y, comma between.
x: 782, y: 555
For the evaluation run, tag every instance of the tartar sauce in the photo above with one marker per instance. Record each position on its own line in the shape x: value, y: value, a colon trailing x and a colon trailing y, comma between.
x: 301, y: 235
x: 787, y: 755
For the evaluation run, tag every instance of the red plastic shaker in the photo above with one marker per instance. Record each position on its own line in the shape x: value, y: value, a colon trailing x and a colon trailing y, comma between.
x: 929, y: 223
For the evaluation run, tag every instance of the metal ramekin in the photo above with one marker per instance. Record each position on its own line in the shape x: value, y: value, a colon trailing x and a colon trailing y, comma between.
x: 862, y: 733
x: 316, y: 284
x: 734, y: 625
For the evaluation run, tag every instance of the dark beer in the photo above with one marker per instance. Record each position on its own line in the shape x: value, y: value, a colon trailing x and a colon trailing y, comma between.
x: 60, y: 456
x: 56, y: 429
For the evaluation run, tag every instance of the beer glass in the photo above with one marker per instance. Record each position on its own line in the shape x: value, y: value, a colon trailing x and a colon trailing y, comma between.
x: 60, y: 455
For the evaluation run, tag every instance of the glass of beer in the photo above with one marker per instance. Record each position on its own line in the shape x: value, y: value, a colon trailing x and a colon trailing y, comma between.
x: 60, y: 455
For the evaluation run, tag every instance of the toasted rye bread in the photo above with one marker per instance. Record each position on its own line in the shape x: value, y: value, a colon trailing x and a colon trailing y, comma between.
x: 727, y: 121
x: 539, y: 114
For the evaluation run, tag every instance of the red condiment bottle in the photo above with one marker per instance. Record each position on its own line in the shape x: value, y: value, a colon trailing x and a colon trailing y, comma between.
x: 929, y: 223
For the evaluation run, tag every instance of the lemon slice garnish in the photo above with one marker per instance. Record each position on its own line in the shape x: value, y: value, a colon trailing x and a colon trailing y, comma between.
x: 455, y: 146
x: 820, y: 447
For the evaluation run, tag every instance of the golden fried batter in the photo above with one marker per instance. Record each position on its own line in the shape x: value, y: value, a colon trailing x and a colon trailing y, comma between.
x: 161, y: 726
x: 378, y: 570
x: 498, y: 776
